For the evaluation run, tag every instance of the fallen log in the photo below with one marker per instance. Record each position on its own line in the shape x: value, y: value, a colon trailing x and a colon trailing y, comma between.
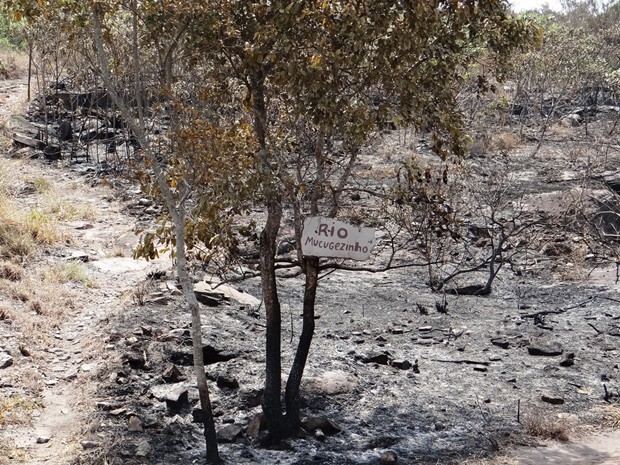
x: 28, y: 141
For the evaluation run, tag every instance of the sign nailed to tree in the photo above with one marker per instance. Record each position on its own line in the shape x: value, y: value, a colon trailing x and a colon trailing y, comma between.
x: 326, y: 237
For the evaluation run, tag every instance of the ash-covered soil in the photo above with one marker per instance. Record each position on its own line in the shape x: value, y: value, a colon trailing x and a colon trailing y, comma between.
x: 470, y: 371
x: 388, y: 371
x: 389, y: 368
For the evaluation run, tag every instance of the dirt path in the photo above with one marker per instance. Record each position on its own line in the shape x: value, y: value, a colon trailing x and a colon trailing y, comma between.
x: 63, y: 366
x: 596, y: 449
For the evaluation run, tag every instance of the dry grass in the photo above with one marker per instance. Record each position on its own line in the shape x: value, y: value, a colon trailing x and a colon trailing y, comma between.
x: 13, y: 64
x: 542, y: 427
x: 11, y: 272
x: 63, y: 210
x: 611, y: 416
x: 10, y: 455
x: 17, y: 409
x: 561, y: 131
x: 505, y: 141
x: 67, y: 272
x: 43, y: 227
x: 35, y: 306
x: 40, y: 184
x: 20, y: 233
x: 5, y: 314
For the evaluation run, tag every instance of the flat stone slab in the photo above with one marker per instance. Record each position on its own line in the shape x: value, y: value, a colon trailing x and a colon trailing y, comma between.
x: 169, y: 392
x: 545, y: 348
x: 330, y: 383
x: 5, y: 360
x: 227, y: 292
x: 119, y: 265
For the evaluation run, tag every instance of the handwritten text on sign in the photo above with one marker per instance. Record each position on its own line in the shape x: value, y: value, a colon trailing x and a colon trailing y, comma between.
x: 326, y: 237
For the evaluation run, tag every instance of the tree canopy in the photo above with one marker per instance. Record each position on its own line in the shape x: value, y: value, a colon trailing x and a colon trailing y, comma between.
x: 268, y: 103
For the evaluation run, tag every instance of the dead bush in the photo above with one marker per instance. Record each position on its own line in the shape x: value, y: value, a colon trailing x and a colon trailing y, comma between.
x: 142, y: 291
x: 13, y: 64
x: 506, y: 141
x: 36, y: 306
x: 5, y: 314
x: 542, y: 427
x: 10, y: 271
x: 611, y: 417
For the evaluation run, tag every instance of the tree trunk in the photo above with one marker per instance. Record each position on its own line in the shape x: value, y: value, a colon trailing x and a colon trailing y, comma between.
x: 213, y: 456
x: 293, y: 396
x: 272, y: 405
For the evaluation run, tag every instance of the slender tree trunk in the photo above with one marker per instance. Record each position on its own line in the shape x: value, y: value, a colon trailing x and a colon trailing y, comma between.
x: 293, y: 396
x: 177, y: 213
x: 29, y: 71
x: 199, y: 365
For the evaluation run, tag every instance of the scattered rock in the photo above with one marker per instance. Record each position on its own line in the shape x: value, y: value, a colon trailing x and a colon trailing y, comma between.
x: 25, y: 351
x: 388, y: 457
x: 383, y: 358
x: 5, y: 360
x: 77, y: 256
x: 80, y: 225
x: 401, y: 364
x: 568, y: 360
x: 163, y: 300
x: 500, y: 342
x: 209, y: 353
x: 135, y: 360
x: 552, y: 399
x: 172, y: 374
x: 250, y: 398
x: 105, y: 406
x: 227, y: 381
x: 88, y: 367
x: 207, y: 296
x: 311, y: 424
x: 175, y: 396
x: 230, y: 293
x: 571, y: 120
x: 229, y: 433
x: 135, y: 424
x: 542, y: 347
x: 143, y: 449
x: 89, y: 444
x: 473, y: 289
x: 256, y: 425
x: 43, y: 439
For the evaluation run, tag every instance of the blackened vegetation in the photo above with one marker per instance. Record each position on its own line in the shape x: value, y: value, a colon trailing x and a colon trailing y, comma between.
x: 78, y: 126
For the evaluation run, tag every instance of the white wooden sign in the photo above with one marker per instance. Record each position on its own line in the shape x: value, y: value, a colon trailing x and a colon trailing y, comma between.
x: 326, y: 237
